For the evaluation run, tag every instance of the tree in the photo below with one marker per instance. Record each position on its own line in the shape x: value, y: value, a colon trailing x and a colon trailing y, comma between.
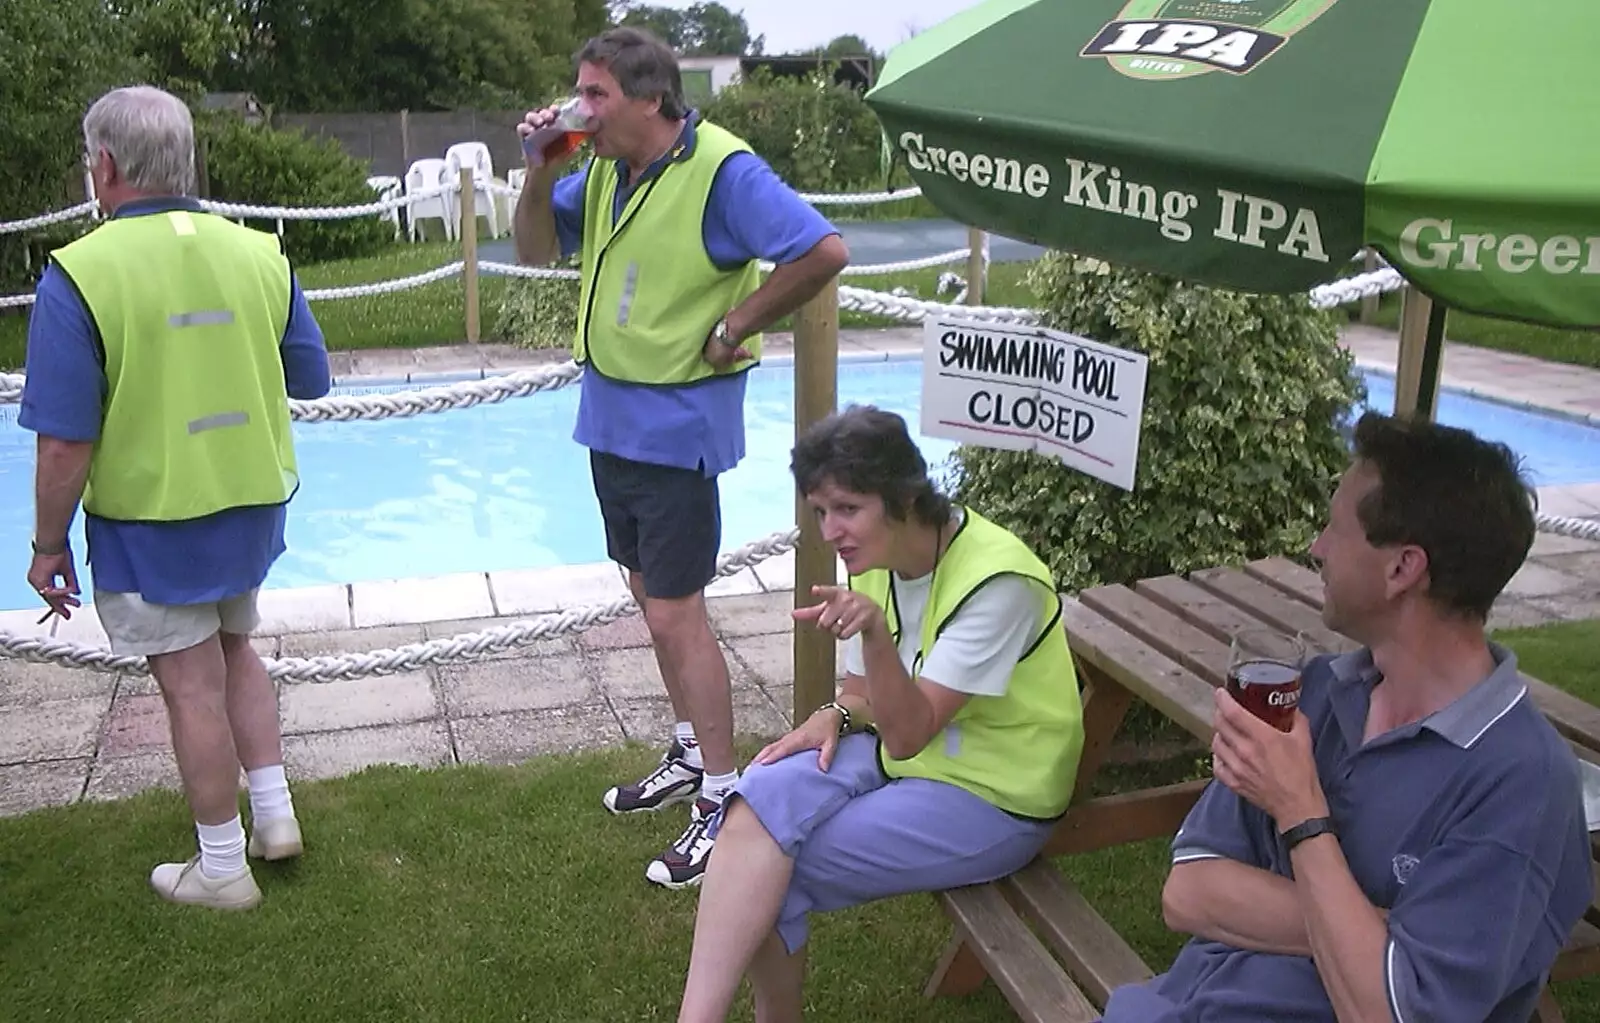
x: 182, y: 45
x: 699, y: 30
x: 56, y: 57
x: 411, y: 54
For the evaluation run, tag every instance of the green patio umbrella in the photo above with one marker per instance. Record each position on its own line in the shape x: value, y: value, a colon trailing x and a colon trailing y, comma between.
x: 1259, y: 145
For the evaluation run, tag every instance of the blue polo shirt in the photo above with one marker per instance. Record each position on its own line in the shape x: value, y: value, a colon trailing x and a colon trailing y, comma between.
x: 750, y: 215
x: 196, y: 561
x: 1467, y: 826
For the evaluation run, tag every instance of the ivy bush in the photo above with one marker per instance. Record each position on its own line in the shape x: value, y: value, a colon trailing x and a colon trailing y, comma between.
x: 539, y: 313
x: 1247, y: 404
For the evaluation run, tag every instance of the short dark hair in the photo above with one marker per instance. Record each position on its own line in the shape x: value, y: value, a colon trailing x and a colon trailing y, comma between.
x: 869, y: 451
x: 642, y: 64
x: 1460, y: 498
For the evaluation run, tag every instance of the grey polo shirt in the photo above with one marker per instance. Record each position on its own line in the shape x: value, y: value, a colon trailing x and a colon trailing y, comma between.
x: 1467, y: 826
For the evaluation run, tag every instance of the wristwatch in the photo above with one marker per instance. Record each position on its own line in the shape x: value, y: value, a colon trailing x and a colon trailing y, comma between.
x: 721, y: 336
x: 1308, y: 829
x: 844, y: 715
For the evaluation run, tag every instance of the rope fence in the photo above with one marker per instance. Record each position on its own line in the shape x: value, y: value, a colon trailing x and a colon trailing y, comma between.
x: 899, y: 306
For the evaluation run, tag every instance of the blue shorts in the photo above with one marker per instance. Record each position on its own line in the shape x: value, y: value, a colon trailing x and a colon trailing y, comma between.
x: 856, y: 836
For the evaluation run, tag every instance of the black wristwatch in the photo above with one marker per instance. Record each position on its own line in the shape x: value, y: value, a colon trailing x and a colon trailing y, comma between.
x: 844, y: 715
x: 1308, y: 829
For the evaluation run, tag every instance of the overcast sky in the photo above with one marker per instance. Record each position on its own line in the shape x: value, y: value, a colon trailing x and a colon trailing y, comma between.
x: 791, y: 25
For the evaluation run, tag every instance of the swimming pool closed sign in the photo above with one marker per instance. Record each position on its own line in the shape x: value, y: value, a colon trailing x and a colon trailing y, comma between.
x: 1031, y: 389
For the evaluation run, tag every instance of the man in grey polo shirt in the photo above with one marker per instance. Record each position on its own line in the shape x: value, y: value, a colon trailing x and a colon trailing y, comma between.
x: 1415, y: 849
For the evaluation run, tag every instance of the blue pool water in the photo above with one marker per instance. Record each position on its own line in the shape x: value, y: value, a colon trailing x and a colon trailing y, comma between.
x: 503, y: 486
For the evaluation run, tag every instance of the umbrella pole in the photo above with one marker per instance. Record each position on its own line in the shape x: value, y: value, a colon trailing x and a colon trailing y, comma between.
x: 1416, y: 384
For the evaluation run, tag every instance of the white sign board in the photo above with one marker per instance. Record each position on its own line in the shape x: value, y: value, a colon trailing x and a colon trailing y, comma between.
x: 1031, y: 389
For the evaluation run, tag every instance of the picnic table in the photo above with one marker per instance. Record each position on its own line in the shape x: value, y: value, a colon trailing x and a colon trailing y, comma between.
x: 1164, y: 641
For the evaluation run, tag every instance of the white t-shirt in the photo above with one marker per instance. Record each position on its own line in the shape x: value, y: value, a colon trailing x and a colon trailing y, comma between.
x: 980, y: 646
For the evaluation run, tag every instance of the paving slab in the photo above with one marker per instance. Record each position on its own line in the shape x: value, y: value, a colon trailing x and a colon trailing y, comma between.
x: 26, y: 787
x: 120, y: 777
x: 650, y: 721
x: 357, y: 703
x: 25, y: 683
x: 1537, y: 580
x: 618, y: 635
x: 137, y: 724
x: 754, y: 615
x: 513, y: 738
x: 519, y: 684
x: 334, y: 754
x: 350, y: 641
x: 55, y: 730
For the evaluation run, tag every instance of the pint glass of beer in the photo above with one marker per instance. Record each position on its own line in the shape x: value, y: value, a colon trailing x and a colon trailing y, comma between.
x: 1264, y: 667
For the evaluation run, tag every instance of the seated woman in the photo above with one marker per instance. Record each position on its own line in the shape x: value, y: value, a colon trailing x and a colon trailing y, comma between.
x: 952, y: 747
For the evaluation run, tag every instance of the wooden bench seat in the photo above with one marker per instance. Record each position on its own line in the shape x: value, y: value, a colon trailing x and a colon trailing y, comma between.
x: 1054, y: 958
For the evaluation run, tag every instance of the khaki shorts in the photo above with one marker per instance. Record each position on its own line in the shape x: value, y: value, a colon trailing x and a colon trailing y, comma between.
x: 136, y: 627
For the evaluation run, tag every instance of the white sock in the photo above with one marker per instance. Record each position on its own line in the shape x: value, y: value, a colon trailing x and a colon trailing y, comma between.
x: 221, y: 847
x: 715, y: 786
x: 269, y: 793
x: 683, y: 731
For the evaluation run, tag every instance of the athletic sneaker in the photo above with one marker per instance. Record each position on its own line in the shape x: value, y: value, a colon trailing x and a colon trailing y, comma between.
x: 673, y: 781
x: 684, y: 862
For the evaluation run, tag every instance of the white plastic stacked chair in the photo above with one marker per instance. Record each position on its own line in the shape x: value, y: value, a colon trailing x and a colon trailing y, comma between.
x: 476, y: 156
x: 423, y: 176
x: 387, y: 186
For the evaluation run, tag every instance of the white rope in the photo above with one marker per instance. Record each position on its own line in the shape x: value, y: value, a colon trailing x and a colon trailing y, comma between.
x: 388, y: 661
x: 1560, y: 525
x: 388, y: 287
x: 429, y: 400
x: 915, y: 310
x: 83, y: 209
x: 537, y: 272
x: 814, y: 198
x: 7, y: 301
x: 1351, y: 289
x: 235, y: 209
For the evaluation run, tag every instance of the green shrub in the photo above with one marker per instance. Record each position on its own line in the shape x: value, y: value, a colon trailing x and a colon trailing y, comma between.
x: 1241, y: 440
x: 538, y: 313
x: 264, y: 166
x: 818, y: 136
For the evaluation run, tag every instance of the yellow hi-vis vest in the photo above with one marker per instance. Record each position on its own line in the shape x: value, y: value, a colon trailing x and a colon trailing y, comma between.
x: 191, y: 310
x: 1018, y: 751
x: 650, y: 293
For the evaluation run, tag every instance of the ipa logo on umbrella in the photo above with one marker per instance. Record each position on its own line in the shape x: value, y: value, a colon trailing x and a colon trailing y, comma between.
x: 1164, y: 39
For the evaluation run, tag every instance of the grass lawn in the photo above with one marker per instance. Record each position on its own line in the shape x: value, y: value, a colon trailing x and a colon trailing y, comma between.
x: 492, y: 894
x: 1573, y: 347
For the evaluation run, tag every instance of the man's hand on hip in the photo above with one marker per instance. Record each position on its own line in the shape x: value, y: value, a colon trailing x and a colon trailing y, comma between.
x: 721, y: 350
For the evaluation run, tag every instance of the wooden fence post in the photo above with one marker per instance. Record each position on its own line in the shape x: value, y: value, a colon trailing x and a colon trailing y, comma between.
x: 469, y: 250
x: 977, y: 272
x: 816, y: 377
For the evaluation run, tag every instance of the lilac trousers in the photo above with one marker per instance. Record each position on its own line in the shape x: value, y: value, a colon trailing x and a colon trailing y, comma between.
x: 856, y: 836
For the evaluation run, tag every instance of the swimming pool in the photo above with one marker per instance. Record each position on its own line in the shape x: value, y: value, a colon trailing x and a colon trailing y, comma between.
x: 503, y: 487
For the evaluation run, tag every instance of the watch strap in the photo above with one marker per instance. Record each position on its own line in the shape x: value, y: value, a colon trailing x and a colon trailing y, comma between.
x: 1308, y: 829
x: 844, y: 715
